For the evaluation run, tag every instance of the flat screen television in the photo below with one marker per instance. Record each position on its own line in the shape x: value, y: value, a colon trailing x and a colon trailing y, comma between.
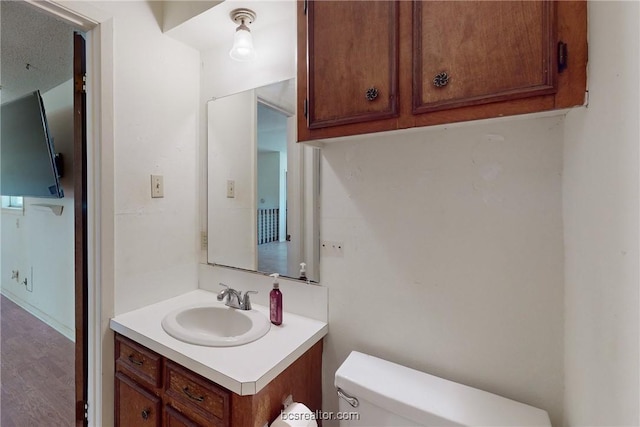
x: 29, y: 165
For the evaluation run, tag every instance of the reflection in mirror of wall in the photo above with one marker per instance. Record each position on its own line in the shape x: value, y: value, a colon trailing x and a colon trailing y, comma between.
x: 262, y: 185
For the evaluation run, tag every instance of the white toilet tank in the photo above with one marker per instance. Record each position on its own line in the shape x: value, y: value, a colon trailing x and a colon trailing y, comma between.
x: 389, y: 394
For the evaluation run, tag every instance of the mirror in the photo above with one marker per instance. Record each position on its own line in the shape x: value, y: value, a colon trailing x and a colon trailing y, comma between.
x: 262, y: 185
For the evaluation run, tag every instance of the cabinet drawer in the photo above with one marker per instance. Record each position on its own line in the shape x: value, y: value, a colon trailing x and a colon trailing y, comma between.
x: 202, y: 396
x: 138, y: 362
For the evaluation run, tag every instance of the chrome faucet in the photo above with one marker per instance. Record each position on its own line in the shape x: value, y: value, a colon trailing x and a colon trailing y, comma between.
x: 235, y: 299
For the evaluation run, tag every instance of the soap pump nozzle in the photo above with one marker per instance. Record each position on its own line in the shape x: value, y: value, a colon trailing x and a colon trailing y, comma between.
x: 303, y: 271
x: 275, y: 276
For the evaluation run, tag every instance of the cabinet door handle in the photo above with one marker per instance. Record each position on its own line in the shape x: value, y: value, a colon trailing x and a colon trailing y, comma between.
x: 186, y: 391
x: 441, y: 79
x: 145, y: 414
x: 135, y: 361
x: 371, y: 93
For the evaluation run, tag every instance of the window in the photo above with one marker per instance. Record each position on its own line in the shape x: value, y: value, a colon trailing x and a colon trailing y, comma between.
x: 13, y: 203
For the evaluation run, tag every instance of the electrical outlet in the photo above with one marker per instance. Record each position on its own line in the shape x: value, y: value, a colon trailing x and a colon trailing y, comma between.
x: 332, y: 249
x: 157, y: 186
x: 15, y: 274
x: 231, y: 189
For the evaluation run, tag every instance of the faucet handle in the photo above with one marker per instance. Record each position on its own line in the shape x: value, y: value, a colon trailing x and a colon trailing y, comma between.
x: 246, y: 302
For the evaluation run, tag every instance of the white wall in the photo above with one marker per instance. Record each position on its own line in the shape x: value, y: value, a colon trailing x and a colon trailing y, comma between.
x: 600, y: 205
x: 452, y: 255
x: 39, y: 244
x: 232, y: 157
x: 156, y: 93
x: 178, y: 12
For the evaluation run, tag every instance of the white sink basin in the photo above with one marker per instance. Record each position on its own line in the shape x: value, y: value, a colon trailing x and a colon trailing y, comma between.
x: 215, y: 325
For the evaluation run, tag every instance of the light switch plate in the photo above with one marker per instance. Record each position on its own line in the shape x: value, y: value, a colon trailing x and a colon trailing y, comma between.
x: 157, y: 186
x: 231, y: 189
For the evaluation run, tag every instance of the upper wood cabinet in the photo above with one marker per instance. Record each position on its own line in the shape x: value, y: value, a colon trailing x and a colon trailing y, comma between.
x: 353, y: 72
x: 374, y: 66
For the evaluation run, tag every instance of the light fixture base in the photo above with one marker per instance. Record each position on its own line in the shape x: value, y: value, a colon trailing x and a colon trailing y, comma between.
x: 242, y: 16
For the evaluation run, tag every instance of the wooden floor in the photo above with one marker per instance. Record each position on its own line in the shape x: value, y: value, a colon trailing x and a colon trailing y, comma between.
x: 272, y: 257
x: 36, y: 372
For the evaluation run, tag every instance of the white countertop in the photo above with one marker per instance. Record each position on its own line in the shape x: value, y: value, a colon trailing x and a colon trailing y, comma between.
x: 243, y: 369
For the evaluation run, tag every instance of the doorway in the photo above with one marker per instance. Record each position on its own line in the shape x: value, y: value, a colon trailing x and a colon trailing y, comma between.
x: 50, y: 247
x: 272, y: 235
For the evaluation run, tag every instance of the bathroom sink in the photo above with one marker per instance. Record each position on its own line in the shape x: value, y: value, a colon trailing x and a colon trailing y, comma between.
x: 215, y: 325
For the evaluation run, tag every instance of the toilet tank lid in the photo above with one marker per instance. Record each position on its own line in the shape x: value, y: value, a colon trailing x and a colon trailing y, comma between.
x: 426, y: 399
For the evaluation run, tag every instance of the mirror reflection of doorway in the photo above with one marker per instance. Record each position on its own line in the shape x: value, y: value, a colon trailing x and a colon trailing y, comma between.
x: 272, y: 241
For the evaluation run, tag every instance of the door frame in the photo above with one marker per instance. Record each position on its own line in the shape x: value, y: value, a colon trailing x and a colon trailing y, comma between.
x: 80, y: 228
x: 97, y: 26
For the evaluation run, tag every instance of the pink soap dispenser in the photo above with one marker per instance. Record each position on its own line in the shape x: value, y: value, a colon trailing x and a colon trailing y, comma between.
x: 275, y: 301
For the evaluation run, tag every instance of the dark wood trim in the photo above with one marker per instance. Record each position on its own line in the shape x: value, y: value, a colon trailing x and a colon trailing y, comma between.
x: 392, y: 112
x: 549, y: 78
x: 301, y: 72
x: 80, y: 226
x: 572, y: 29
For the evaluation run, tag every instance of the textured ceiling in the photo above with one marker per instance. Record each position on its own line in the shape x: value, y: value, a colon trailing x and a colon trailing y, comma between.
x: 29, y: 36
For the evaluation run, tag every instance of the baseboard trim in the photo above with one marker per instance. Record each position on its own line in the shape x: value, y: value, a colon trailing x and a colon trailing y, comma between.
x: 35, y: 311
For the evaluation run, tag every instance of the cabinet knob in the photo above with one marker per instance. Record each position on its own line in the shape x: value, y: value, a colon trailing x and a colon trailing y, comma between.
x: 441, y: 79
x: 145, y: 414
x: 371, y: 93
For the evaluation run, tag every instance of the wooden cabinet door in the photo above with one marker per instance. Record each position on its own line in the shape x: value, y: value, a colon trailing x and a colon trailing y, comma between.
x: 352, y: 62
x: 476, y: 52
x: 135, y: 406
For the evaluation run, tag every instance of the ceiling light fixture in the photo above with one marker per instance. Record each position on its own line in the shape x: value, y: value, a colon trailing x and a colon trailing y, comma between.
x: 242, y: 49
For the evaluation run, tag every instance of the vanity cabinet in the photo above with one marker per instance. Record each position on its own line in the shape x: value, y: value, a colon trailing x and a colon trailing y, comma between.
x: 151, y: 390
x: 375, y: 66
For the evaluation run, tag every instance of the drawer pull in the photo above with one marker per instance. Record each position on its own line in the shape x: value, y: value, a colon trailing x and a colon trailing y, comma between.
x: 135, y: 361
x: 186, y: 391
x: 145, y: 414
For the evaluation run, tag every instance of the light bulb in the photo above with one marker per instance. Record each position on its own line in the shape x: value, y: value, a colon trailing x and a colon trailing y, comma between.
x: 242, y: 49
